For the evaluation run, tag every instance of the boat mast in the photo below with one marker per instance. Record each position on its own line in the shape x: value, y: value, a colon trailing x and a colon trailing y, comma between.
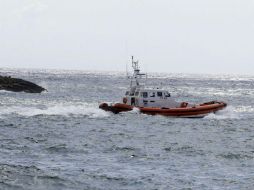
x: 136, y: 75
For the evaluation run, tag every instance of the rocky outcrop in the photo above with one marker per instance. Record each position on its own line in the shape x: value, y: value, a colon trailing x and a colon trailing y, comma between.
x: 19, y: 85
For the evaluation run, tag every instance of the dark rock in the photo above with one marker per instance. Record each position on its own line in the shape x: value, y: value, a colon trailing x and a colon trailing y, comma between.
x: 19, y: 85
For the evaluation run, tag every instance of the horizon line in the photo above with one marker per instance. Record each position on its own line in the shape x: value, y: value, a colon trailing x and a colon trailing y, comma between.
x: 118, y: 71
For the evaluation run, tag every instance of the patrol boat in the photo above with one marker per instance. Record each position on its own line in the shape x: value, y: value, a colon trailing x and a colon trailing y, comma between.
x: 158, y: 101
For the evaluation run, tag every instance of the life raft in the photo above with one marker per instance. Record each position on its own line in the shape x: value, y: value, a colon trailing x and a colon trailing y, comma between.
x: 199, y: 110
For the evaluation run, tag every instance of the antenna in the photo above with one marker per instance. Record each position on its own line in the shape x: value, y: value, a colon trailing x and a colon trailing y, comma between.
x: 127, y: 72
x: 132, y: 61
x: 135, y: 65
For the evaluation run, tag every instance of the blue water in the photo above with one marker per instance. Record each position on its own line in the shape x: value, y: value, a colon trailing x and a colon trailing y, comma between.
x: 61, y: 140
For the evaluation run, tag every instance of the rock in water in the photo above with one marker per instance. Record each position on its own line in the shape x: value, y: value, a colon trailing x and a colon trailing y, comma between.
x: 19, y: 85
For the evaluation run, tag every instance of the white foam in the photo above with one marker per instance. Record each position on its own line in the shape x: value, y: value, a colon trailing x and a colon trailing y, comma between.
x: 220, y: 116
x: 90, y: 110
x: 244, y: 109
x: 135, y: 111
x: 231, y: 112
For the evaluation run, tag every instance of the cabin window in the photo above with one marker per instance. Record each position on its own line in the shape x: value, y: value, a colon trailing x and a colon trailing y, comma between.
x: 152, y: 94
x: 127, y: 93
x: 136, y: 93
x: 145, y: 94
x: 167, y: 94
x: 159, y: 94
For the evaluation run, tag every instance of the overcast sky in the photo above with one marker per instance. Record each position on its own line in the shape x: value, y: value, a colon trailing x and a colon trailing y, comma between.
x: 190, y: 36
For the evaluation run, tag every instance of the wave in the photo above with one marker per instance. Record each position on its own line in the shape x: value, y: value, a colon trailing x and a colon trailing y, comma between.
x: 244, y: 109
x: 134, y: 111
x: 213, y: 91
x: 84, y: 109
x: 236, y: 156
x: 231, y: 112
x: 91, y: 110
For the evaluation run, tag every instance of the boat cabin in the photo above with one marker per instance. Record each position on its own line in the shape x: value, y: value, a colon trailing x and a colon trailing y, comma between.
x: 150, y: 98
x: 140, y: 96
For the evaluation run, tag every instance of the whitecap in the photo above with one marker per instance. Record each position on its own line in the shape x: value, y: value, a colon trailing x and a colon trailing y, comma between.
x: 227, y: 113
x: 84, y: 109
x: 244, y: 109
x: 135, y: 110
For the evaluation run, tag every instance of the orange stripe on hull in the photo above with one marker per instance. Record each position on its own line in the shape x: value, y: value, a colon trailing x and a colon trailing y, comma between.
x: 199, y: 111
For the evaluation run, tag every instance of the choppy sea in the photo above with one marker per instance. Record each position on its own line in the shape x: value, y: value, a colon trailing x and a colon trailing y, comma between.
x: 61, y: 140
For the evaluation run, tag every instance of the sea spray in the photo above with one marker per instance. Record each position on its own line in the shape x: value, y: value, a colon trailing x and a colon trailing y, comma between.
x: 82, y: 109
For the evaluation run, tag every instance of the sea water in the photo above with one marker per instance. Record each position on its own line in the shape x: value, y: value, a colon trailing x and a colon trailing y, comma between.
x: 60, y: 139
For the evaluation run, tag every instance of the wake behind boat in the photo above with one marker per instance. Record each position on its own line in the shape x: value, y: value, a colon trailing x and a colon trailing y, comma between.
x: 158, y: 101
